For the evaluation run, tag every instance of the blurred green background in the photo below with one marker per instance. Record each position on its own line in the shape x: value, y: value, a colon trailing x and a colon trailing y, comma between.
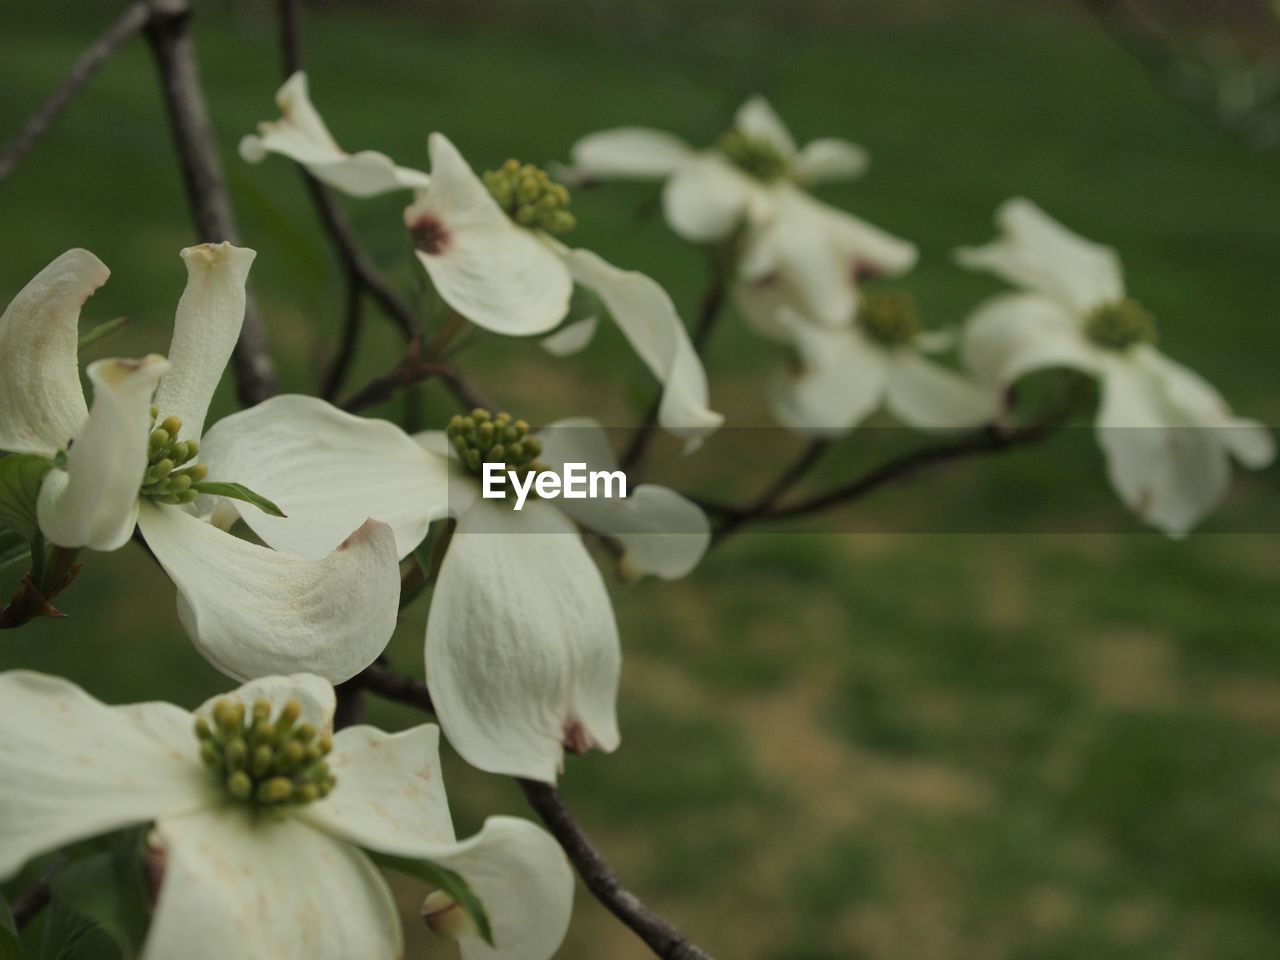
x: 871, y: 745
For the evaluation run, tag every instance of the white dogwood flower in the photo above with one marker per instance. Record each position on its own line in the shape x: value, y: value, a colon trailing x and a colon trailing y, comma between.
x: 795, y: 250
x: 844, y: 375
x: 489, y: 248
x: 522, y: 650
x: 1167, y: 434
x: 250, y: 610
x: 262, y: 817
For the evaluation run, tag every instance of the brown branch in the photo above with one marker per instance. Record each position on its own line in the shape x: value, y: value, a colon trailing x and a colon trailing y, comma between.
x: 336, y: 373
x: 663, y: 938
x: 36, y: 897
x: 392, y: 686
x: 413, y: 370
x: 123, y: 29
x: 807, y: 460
x: 168, y: 33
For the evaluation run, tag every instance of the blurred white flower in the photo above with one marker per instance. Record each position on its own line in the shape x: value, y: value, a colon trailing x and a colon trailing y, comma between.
x: 795, y: 251
x: 498, y: 264
x: 261, y: 817
x: 250, y: 610
x: 1167, y: 434
x: 844, y: 375
x: 522, y: 651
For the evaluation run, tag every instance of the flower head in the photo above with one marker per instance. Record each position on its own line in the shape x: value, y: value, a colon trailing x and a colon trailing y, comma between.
x: 261, y: 817
x: 1167, y: 434
x: 132, y: 460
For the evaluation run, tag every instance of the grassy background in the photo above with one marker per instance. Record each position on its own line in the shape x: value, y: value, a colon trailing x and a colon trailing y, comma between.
x: 838, y: 745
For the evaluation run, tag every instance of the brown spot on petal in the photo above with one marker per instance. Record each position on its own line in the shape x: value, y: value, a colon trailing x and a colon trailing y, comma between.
x: 576, y: 739
x: 861, y: 270
x: 429, y: 235
x: 154, y: 862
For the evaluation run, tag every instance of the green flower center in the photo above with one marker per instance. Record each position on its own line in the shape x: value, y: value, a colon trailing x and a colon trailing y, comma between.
x: 166, y: 479
x: 889, y: 317
x: 267, y: 764
x: 756, y: 157
x: 1120, y: 325
x: 530, y: 197
x: 480, y: 438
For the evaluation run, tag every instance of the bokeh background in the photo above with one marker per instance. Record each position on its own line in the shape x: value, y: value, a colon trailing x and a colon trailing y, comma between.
x: 836, y: 744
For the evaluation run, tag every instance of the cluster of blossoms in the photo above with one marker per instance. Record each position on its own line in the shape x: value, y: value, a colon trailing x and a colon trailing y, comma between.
x: 266, y: 822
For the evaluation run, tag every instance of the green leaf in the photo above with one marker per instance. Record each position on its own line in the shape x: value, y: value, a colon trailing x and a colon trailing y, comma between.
x: 102, y: 330
x: 238, y: 491
x: 13, y: 549
x: 20, y: 477
x: 10, y: 948
x: 446, y: 880
x: 106, y: 889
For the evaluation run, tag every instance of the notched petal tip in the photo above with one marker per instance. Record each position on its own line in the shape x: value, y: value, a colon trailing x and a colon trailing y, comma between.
x: 113, y: 372
x: 211, y: 255
x: 370, y: 531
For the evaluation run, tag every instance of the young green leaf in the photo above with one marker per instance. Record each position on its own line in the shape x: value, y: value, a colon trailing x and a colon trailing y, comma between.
x: 20, y: 477
x: 106, y: 889
x: 237, y: 491
x: 10, y: 948
x: 13, y: 549
x: 446, y: 880
x: 101, y: 331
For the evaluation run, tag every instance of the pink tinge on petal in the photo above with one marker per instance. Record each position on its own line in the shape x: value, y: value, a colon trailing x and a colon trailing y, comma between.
x: 430, y: 236
x: 862, y: 270
x: 576, y: 739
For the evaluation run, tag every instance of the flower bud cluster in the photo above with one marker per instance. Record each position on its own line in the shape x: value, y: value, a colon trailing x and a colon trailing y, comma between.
x: 269, y: 764
x: 1120, y: 325
x: 530, y: 197
x: 889, y: 317
x: 756, y: 157
x: 166, y: 479
x: 480, y: 438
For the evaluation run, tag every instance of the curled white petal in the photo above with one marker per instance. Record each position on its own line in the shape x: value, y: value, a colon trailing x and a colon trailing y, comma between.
x: 253, y: 611
x: 571, y: 338
x: 301, y: 135
x: 757, y: 119
x: 522, y: 647
x: 205, y: 329
x: 648, y: 319
x: 94, y: 502
x: 74, y: 767
x: 705, y: 199
x: 924, y: 394
x: 1014, y: 334
x: 829, y: 158
x: 238, y: 885
x: 839, y: 380
x: 328, y: 471
x: 41, y: 404
x: 498, y: 275
x: 1036, y: 252
x: 628, y: 152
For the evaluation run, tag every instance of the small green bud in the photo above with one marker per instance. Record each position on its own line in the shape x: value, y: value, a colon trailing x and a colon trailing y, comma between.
x: 240, y: 785
x: 275, y: 790
x: 235, y: 753
x: 171, y: 425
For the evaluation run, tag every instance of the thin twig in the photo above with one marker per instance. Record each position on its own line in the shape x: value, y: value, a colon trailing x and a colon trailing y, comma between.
x: 808, y: 459
x: 413, y: 370
x: 390, y: 685
x: 123, y: 29
x: 168, y: 33
x: 36, y: 897
x: 662, y: 937
x: 336, y: 373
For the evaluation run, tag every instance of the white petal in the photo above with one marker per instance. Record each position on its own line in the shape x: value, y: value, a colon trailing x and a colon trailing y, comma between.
x: 1167, y: 470
x: 522, y: 647
x: 1037, y: 252
x: 94, y: 502
x: 705, y: 199
x: 628, y: 152
x: 866, y: 249
x: 649, y: 321
x: 496, y: 274
x: 571, y: 338
x: 795, y: 251
x: 41, y: 404
x: 205, y: 329
x: 252, y: 611
x: 74, y: 768
x: 390, y: 798
x: 1014, y: 334
x: 839, y: 382
x: 328, y: 471
x: 314, y: 694
x: 757, y: 119
x: 660, y: 532
x: 236, y: 885
x: 927, y: 395
x: 829, y: 158
x: 301, y: 135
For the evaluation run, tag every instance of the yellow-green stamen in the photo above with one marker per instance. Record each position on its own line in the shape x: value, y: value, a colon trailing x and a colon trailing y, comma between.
x: 1120, y: 325
x: 481, y: 437
x: 530, y: 197
x: 167, y: 480
x: 754, y: 156
x: 269, y: 764
x: 890, y: 317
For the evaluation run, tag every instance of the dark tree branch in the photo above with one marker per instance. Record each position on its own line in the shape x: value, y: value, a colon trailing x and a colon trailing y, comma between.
x: 168, y: 33
x: 663, y: 938
x: 798, y: 470
x: 336, y: 373
x: 36, y: 897
x: 413, y: 370
x: 125, y: 27
x: 392, y: 686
